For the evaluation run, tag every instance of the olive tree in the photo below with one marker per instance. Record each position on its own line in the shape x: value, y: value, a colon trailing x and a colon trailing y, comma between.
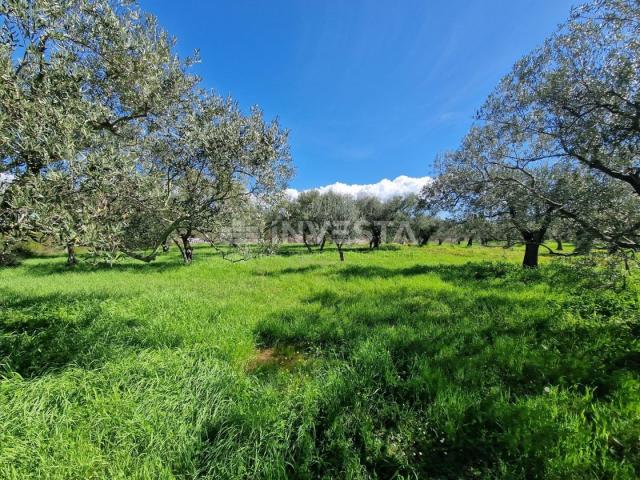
x: 91, y: 201
x: 339, y: 218
x: 304, y: 220
x: 576, y: 101
x: 377, y: 216
x: 559, y: 136
x: 407, y: 218
x: 424, y: 227
x: 484, y: 178
x: 108, y: 141
x: 74, y: 75
x: 446, y: 230
x: 212, y: 158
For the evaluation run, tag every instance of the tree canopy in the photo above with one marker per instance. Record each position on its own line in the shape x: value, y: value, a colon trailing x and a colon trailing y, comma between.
x: 108, y: 140
x: 559, y: 137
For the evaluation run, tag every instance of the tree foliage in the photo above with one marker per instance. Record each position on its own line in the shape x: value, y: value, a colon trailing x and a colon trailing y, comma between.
x: 108, y: 141
x: 575, y: 101
x: 558, y: 140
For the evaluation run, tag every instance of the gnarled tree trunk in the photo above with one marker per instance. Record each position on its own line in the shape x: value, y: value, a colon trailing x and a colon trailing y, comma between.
x: 375, y: 240
x: 304, y: 240
x: 185, y: 247
x: 187, y: 252
x: 532, y: 240
x: 71, y: 254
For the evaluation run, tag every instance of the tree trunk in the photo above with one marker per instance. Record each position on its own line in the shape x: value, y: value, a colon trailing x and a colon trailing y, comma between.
x: 439, y: 241
x: 165, y: 246
x: 187, y: 249
x: 532, y: 247
x: 324, y: 240
x: 531, y: 255
x: 304, y: 240
x: 470, y: 242
x: 559, y: 244
x: 375, y: 240
x: 71, y: 255
x: 341, y: 253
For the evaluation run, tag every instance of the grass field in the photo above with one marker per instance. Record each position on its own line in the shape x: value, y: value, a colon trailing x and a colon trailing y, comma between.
x: 403, y: 363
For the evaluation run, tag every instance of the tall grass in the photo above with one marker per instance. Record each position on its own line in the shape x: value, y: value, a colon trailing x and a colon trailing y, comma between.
x: 403, y: 363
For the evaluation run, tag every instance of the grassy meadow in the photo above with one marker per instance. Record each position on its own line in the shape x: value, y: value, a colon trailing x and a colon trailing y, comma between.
x: 434, y: 362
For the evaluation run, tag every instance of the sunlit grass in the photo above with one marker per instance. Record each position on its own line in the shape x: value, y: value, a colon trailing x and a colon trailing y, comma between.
x: 414, y: 362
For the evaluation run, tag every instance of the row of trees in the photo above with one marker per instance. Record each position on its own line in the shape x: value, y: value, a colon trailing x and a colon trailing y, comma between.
x: 108, y: 142
x: 557, y: 144
x: 315, y: 218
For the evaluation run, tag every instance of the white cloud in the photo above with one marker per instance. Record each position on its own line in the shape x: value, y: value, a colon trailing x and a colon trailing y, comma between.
x: 291, y: 193
x: 384, y: 189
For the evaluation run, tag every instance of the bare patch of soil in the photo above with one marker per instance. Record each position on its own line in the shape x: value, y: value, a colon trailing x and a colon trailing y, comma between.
x: 286, y: 358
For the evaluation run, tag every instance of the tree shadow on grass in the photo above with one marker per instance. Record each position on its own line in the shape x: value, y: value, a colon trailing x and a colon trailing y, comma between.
x: 291, y: 249
x: 408, y: 321
x: 367, y: 249
x: 41, y: 334
x: 473, y: 274
x: 469, y: 272
x: 288, y: 250
x: 164, y: 262
x: 289, y: 271
x: 61, y: 268
x: 472, y: 364
x: 471, y: 319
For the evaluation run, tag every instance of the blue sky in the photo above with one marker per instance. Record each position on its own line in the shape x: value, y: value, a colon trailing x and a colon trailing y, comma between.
x: 369, y: 89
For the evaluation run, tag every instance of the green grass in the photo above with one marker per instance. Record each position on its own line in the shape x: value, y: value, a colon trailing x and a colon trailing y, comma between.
x: 403, y: 363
